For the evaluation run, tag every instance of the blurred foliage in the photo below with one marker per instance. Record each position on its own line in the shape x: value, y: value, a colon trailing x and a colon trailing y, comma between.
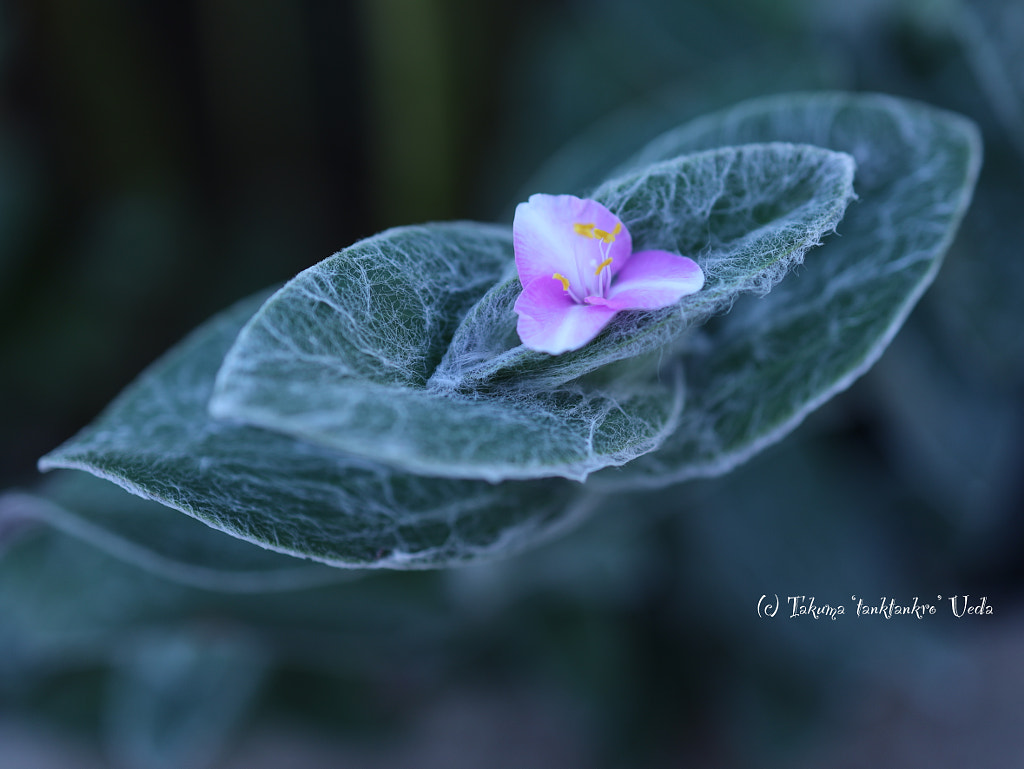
x: 143, y: 144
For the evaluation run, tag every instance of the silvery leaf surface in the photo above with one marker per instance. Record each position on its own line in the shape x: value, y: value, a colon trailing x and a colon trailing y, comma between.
x: 158, y: 440
x: 746, y: 214
x: 760, y: 369
x: 342, y: 357
x: 156, y: 538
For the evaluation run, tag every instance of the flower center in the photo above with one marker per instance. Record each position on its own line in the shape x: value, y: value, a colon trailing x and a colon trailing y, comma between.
x: 593, y: 231
x: 593, y: 291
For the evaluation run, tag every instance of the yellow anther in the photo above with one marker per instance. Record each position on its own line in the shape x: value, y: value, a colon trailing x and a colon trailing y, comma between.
x: 602, y: 265
x: 565, y: 280
x: 608, y: 237
x: 592, y: 231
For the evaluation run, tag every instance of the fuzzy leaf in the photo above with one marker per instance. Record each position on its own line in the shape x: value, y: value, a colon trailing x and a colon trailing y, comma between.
x: 772, y: 360
x: 746, y: 214
x: 341, y: 356
x: 157, y: 440
x: 157, y: 538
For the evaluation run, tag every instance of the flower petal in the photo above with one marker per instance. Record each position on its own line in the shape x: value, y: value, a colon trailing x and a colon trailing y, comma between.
x: 654, y: 279
x: 550, y: 321
x: 546, y: 241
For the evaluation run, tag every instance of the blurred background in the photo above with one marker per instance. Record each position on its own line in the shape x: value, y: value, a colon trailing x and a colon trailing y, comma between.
x: 159, y: 160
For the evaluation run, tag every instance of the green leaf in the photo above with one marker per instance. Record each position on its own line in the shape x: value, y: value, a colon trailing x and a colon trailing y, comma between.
x: 746, y: 214
x: 158, y: 440
x: 768, y: 363
x: 67, y: 604
x: 156, y: 538
x: 341, y: 357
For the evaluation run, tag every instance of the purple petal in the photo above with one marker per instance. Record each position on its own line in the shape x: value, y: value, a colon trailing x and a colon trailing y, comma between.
x: 546, y: 241
x: 654, y: 279
x: 550, y: 321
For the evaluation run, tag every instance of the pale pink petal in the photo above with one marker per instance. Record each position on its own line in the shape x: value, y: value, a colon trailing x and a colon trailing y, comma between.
x: 654, y: 279
x: 550, y: 321
x: 546, y: 242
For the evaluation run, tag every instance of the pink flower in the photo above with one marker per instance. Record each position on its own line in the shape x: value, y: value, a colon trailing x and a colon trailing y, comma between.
x: 576, y: 263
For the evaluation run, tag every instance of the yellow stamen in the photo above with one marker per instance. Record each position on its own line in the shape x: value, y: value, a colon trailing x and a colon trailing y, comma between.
x: 565, y: 280
x: 608, y: 237
x: 602, y: 265
x: 592, y: 231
